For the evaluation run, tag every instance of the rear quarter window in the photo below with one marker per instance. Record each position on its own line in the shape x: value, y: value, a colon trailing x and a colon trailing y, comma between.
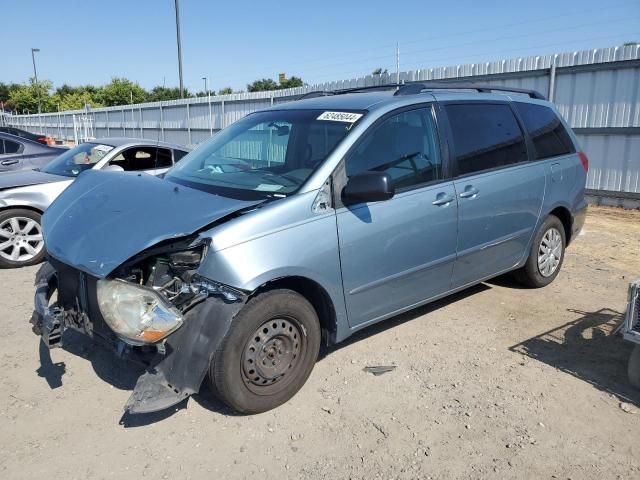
x: 550, y: 137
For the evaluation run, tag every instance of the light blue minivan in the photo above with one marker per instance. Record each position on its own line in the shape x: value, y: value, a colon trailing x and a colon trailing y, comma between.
x: 301, y: 224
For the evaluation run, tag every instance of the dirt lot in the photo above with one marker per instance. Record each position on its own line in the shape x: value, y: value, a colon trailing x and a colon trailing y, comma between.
x: 497, y: 382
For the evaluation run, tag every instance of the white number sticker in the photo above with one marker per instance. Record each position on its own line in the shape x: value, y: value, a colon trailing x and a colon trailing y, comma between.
x: 346, y: 117
x: 103, y: 148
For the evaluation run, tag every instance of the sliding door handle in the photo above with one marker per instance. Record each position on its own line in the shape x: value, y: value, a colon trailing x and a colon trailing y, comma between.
x: 469, y: 192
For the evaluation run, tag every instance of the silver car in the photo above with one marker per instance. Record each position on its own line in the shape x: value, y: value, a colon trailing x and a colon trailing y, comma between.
x: 25, y: 195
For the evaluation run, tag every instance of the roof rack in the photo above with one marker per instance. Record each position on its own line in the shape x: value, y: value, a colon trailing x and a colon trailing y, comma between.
x: 414, y: 88
x: 326, y: 93
x: 419, y: 87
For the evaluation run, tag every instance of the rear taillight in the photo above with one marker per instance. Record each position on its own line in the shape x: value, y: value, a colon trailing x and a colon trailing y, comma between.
x: 42, y: 140
x: 584, y: 160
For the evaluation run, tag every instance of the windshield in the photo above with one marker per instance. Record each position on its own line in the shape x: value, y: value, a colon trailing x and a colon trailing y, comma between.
x: 266, y: 154
x: 77, y: 160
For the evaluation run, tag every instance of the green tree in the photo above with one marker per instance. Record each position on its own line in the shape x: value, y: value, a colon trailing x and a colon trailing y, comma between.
x: 26, y: 97
x: 160, y: 94
x: 121, y: 91
x: 262, y: 85
x: 266, y: 84
x: 75, y: 101
x: 291, y: 82
x: 225, y: 91
x: 5, y: 90
x: 379, y: 71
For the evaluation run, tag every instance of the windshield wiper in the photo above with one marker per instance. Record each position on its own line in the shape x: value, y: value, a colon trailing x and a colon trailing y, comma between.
x: 293, y: 181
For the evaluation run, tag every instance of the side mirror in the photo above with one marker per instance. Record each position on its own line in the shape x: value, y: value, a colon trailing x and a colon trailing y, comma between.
x: 368, y: 187
x: 113, y: 168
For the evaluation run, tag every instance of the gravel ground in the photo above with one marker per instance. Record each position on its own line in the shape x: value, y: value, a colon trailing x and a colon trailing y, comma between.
x: 496, y: 382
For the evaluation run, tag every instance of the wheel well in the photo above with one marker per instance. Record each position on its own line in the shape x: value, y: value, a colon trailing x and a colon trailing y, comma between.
x: 21, y: 207
x: 315, y: 294
x: 565, y: 217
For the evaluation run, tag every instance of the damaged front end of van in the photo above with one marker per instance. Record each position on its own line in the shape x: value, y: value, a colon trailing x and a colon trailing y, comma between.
x: 132, y: 282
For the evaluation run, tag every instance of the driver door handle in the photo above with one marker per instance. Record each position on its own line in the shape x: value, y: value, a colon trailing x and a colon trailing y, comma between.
x: 443, y: 200
x: 6, y: 163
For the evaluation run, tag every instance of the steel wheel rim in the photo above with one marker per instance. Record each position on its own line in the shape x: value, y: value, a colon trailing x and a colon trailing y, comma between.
x: 20, y: 239
x: 272, y: 355
x: 550, y: 252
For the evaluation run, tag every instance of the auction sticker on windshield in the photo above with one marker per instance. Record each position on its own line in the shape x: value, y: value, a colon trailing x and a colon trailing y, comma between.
x: 103, y: 148
x: 347, y: 117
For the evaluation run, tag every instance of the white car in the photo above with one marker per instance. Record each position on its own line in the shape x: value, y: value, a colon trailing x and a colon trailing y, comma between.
x: 25, y: 195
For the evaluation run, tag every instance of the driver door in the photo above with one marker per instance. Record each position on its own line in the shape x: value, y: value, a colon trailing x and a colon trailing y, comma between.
x: 398, y: 253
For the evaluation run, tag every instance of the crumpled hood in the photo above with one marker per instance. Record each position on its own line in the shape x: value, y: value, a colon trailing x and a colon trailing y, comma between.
x: 105, y: 218
x: 24, y: 178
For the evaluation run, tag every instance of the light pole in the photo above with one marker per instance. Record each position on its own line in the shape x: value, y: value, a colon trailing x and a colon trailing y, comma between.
x: 208, y: 92
x: 206, y: 83
x: 35, y: 74
x: 177, y: 3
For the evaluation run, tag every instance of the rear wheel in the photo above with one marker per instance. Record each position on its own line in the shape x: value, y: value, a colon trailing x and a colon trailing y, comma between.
x: 21, y: 241
x: 633, y: 369
x: 268, y: 353
x: 546, y: 255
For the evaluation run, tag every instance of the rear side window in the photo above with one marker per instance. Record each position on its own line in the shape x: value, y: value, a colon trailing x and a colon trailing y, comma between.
x: 485, y: 136
x: 11, y: 147
x: 178, y: 154
x: 163, y: 159
x: 547, y: 132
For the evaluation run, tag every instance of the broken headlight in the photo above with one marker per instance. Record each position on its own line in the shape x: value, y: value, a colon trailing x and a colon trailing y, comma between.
x: 136, y: 313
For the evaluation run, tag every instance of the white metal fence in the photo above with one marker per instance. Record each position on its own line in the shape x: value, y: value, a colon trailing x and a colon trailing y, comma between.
x: 597, y: 91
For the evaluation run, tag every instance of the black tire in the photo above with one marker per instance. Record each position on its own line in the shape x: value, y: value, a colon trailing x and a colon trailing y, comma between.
x: 24, y: 214
x: 633, y: 368
x: 282, y: 328
x: 530, y: 274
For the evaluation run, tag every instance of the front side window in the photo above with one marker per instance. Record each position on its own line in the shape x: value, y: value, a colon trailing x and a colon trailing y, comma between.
x: 78, y: 159
x: 550, y: 137
x: 404, y: 146
x: 265, y: 154
x: 485, y: 136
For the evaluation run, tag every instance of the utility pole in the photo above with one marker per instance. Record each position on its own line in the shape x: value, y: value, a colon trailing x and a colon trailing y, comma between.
x: 397, y: 62
x: 177, y: 2
x: 208, y: 92
x: 35, y: 74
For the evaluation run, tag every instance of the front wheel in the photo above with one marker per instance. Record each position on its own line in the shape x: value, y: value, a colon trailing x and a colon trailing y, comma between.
x: 268, y: 352
x: 21, y: 241
x: 546, y: 255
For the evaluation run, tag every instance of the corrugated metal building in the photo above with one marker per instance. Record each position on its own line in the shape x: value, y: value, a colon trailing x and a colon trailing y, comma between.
x: 597, y: 91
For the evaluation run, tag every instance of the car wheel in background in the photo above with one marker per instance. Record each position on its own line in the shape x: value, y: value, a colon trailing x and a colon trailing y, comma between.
x: 633, y: 369
x: 21, y: 241
x: 546, y: 255
x: 268, y: 352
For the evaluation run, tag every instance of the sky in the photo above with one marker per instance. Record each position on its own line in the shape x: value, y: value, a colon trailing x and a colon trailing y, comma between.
x: 233, y: 43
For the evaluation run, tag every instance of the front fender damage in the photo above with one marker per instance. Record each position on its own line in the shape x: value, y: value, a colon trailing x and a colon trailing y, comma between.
x: 180, y: 372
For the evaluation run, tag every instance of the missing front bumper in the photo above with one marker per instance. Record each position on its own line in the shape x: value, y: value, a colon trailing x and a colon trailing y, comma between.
x: 175, y: 370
